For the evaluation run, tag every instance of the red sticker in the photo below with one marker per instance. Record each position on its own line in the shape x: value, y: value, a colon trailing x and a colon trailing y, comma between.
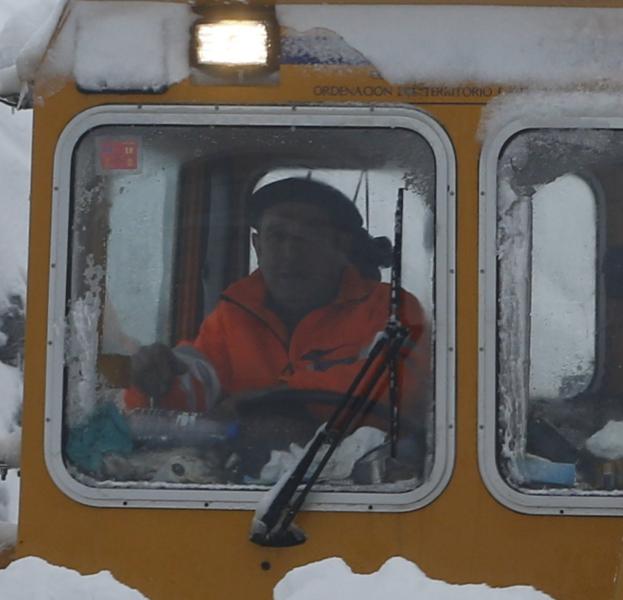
x: 119, y: 154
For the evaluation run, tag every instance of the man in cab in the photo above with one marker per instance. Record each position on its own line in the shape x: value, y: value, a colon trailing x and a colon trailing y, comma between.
x: 305, y: 319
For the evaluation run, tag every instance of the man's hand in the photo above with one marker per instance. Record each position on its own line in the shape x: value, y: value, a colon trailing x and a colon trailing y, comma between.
x: 154, y: 369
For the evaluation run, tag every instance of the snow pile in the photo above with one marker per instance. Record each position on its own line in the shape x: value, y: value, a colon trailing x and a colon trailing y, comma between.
x: 31, y: 578
x: 607, y: 443
x: 398, y: 579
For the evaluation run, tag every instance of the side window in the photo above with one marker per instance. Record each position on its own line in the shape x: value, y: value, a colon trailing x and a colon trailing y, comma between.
x: 550, y: 329
x: 563, y: 284
x: 223, y: 284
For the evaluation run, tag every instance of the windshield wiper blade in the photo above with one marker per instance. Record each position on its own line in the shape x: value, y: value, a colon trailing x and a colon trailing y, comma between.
x: 274, y: 526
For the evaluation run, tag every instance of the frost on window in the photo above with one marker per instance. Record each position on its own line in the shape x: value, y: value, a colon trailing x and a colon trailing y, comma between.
x: 207, y: 337
x: 560, y: 334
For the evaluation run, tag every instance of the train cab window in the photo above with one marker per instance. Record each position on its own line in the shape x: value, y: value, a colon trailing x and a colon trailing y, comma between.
x: 551, y: 386
x: 219, y: 279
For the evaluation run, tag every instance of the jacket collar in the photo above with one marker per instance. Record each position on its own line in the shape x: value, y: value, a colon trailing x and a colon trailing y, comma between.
x: 250, y: 292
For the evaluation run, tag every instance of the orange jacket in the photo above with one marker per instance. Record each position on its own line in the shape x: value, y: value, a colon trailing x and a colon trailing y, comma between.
x: 250, y: 348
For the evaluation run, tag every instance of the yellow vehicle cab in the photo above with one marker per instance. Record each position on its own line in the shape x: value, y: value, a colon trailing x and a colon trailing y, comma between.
x: 500, y: 127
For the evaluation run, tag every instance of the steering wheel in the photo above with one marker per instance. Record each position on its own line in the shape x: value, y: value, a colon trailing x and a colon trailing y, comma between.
x: 274, y: 418
x: 317, y: 405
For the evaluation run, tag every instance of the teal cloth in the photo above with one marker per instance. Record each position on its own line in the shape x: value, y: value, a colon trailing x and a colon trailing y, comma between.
x: 106, y: 431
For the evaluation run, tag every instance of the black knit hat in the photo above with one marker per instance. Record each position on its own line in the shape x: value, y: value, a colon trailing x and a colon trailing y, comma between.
x: 341, y: 211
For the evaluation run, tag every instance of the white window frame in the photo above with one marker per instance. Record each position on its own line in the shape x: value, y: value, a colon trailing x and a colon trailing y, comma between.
x: 299, y: 116
x: 552, y: 502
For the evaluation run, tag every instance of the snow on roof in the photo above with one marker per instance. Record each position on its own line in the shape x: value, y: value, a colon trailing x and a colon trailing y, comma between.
x: 25, y: 31
x: 115, y: 45
x: 102, y: 45
x: 136, y: 45
x: 533, y: 106
x: 18, y: 22
x: 139, y: 45
x: 478, y: 44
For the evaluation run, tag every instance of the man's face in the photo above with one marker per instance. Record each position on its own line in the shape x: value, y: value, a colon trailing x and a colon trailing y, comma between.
x: 300, y: 254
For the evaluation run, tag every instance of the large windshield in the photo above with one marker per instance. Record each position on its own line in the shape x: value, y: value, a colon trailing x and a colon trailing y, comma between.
x: 216, y: 317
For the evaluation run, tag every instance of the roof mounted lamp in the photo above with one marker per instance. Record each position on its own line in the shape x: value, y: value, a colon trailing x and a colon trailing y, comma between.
x: 236, y: 42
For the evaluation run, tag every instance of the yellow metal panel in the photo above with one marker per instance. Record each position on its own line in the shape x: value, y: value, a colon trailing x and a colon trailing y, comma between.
x: 464, y: 536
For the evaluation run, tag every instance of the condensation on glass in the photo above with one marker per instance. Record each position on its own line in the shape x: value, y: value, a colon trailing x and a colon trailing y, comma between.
x: 559, y: 307
x: 158, y: 230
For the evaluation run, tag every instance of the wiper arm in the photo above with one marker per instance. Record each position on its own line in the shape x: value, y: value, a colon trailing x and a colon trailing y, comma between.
x: 274, y: 526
